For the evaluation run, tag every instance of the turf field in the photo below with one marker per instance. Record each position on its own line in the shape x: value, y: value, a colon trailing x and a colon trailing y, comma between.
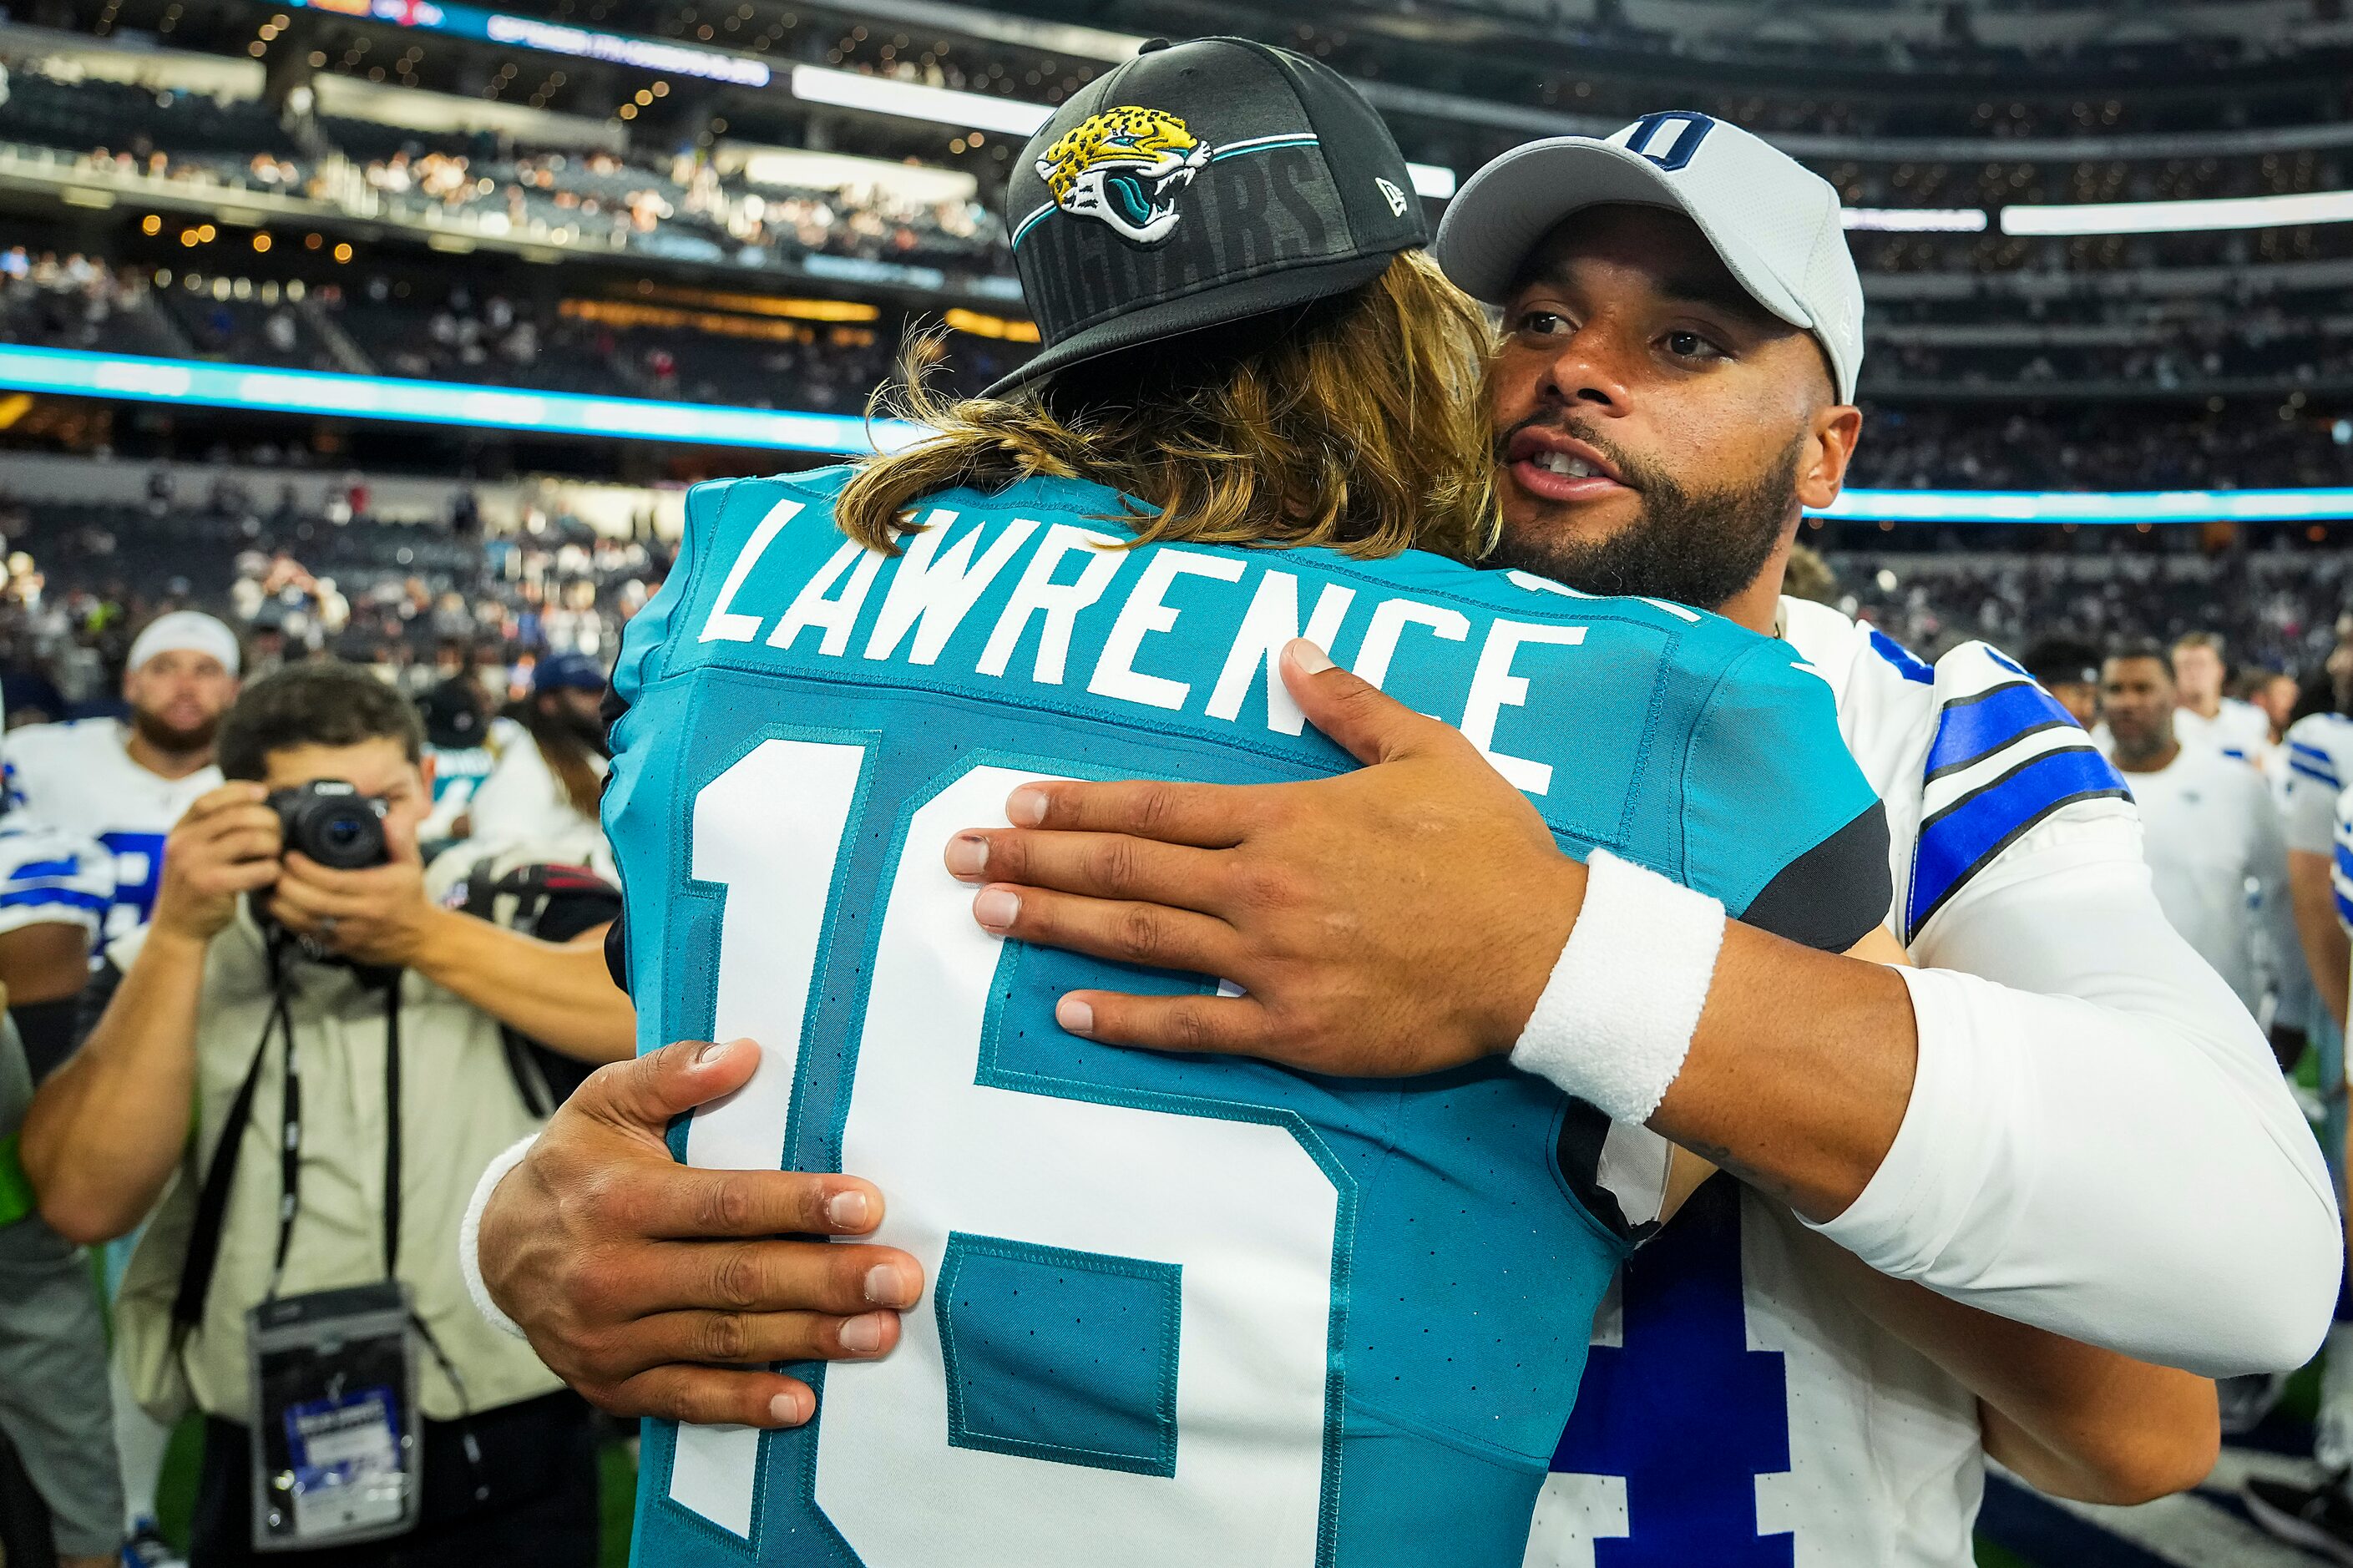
x: 2203, y: 1530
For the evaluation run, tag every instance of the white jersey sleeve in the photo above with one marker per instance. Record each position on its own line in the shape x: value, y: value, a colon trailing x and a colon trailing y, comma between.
x: 2319, y: 763
x: 2098, y: 1141
x: 50, y: 877
x: 2340, y: 859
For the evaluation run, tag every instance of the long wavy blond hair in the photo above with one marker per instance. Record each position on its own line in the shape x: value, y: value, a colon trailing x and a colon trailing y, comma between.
x: 1355, y: 423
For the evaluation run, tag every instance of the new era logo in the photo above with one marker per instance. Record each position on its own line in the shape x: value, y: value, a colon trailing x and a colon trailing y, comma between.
x: 1396, y: 197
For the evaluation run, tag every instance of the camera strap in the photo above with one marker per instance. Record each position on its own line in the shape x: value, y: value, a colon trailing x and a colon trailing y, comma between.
x: 203, y: 1257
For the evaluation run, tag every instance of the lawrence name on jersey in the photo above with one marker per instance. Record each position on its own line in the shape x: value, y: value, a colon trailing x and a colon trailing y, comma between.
x: 1183, y: 1311
x: 1832, y: 1443
x: 80, y: 779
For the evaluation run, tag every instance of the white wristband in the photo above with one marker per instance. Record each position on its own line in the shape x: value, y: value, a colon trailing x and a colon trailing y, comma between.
x: 470, y: 1236
x: 1617, y: 1018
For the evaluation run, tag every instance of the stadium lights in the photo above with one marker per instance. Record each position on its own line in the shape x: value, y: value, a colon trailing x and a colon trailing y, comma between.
x: 530, y: 33
x: 2179, y: 217
x: 461, y: 404
x: 982, y: 111
x: 2090, y: 507
x: 1435, y: 180
x: 438, y: 402
x: 1918, y: 220
x: 912, y: 100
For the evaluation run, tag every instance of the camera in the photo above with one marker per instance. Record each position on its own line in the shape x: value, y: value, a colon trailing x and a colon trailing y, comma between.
x: 332, y: 823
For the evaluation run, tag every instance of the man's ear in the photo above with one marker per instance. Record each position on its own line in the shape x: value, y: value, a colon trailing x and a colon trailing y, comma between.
x: 425, y: 773
x: 1829, y: 447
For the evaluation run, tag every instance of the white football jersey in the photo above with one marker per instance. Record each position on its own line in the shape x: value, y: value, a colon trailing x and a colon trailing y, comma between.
x: 78, y: 779
x: 2238, y: 730
x: 47, y: 875
x: 2319, y: 761
x: 1824, y: 1441
x: 2210, y: 829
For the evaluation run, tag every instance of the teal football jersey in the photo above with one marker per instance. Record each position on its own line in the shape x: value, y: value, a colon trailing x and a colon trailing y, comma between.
x: 1182, y: 1312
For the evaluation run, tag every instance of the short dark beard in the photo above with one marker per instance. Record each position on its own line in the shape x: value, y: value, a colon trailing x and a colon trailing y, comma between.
x: 171, y: 741
x: 2133, y: 750
x: 1687, y: 546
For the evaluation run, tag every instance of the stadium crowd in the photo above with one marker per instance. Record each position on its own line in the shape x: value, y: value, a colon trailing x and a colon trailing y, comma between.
x: 304, y: 788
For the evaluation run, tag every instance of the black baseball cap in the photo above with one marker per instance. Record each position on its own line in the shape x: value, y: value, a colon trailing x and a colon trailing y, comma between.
x: 1197, y: 184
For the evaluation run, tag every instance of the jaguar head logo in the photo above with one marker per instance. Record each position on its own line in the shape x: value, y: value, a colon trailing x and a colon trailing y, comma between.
x: 1125, y: 167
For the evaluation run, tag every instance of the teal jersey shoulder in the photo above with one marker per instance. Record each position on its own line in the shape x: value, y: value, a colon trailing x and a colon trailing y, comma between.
x: 1182, y: 1310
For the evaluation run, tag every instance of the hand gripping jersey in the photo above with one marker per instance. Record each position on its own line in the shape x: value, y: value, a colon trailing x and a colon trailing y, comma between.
x: 78, y: 779
x: 1825, y: 1441
x: 1182, y: 1312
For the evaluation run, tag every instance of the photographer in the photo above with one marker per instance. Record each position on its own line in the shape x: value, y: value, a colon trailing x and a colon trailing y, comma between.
x: 337, y: 1033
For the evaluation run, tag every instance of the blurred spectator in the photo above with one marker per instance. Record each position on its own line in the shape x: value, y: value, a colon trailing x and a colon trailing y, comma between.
x: 349, y: 971
x: 543, y: 789
x: 2210, y: 829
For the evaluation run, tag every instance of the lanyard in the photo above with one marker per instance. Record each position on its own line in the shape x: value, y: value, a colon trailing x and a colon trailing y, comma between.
x: 212, y: 1201
x: 289, y: 1141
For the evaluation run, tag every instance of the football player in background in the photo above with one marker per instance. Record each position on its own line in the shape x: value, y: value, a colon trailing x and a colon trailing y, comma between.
x: 2083, y: 1082
x: 2320, y: 875
x: 2235, y: 728
x: 125, y: 783
x: 1118, y: 1363
x: 2068, y: 668
x: 2210, y: 830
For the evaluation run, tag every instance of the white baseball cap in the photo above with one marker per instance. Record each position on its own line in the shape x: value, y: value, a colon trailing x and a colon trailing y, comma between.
x: 185, y: 631
x: 1775, y: 223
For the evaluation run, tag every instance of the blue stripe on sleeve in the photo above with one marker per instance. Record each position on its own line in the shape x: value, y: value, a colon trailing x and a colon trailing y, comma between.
x: 1906, y: 664
x: 2308, y: 750
x: 16, y: 898
x: 2345, y: 862
x: 32, y: 871
x: 1963, y: 836
x: 2298, y: 766
x: 1968, y: 730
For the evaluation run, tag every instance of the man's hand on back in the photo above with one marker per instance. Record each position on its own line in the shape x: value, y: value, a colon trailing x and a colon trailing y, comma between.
x: 1400, y: 919
x: 226, y: 845
x: 657, y: 1289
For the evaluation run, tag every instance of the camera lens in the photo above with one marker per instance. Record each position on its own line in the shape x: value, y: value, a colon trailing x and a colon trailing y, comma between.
x: 342, y: 833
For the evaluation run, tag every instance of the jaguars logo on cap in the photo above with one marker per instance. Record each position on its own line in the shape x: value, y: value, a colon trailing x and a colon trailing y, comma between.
x: 1125, y: 167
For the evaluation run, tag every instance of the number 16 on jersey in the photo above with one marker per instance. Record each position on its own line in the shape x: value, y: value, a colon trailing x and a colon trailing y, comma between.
x: 1125, y: 1354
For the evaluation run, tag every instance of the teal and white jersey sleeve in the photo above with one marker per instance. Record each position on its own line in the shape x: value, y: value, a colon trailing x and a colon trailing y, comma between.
x: 1769, y: 771
x: 1183, y: 1311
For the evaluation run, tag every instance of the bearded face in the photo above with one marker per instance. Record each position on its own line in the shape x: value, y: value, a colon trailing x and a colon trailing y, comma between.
x: 177, y: 698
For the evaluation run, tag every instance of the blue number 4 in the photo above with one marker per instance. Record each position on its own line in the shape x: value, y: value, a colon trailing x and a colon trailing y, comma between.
x: 1683, y: 1409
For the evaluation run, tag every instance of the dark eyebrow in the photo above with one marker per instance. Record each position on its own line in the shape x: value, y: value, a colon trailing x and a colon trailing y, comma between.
x: 1722, y: 292
x: 1717, y: 289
